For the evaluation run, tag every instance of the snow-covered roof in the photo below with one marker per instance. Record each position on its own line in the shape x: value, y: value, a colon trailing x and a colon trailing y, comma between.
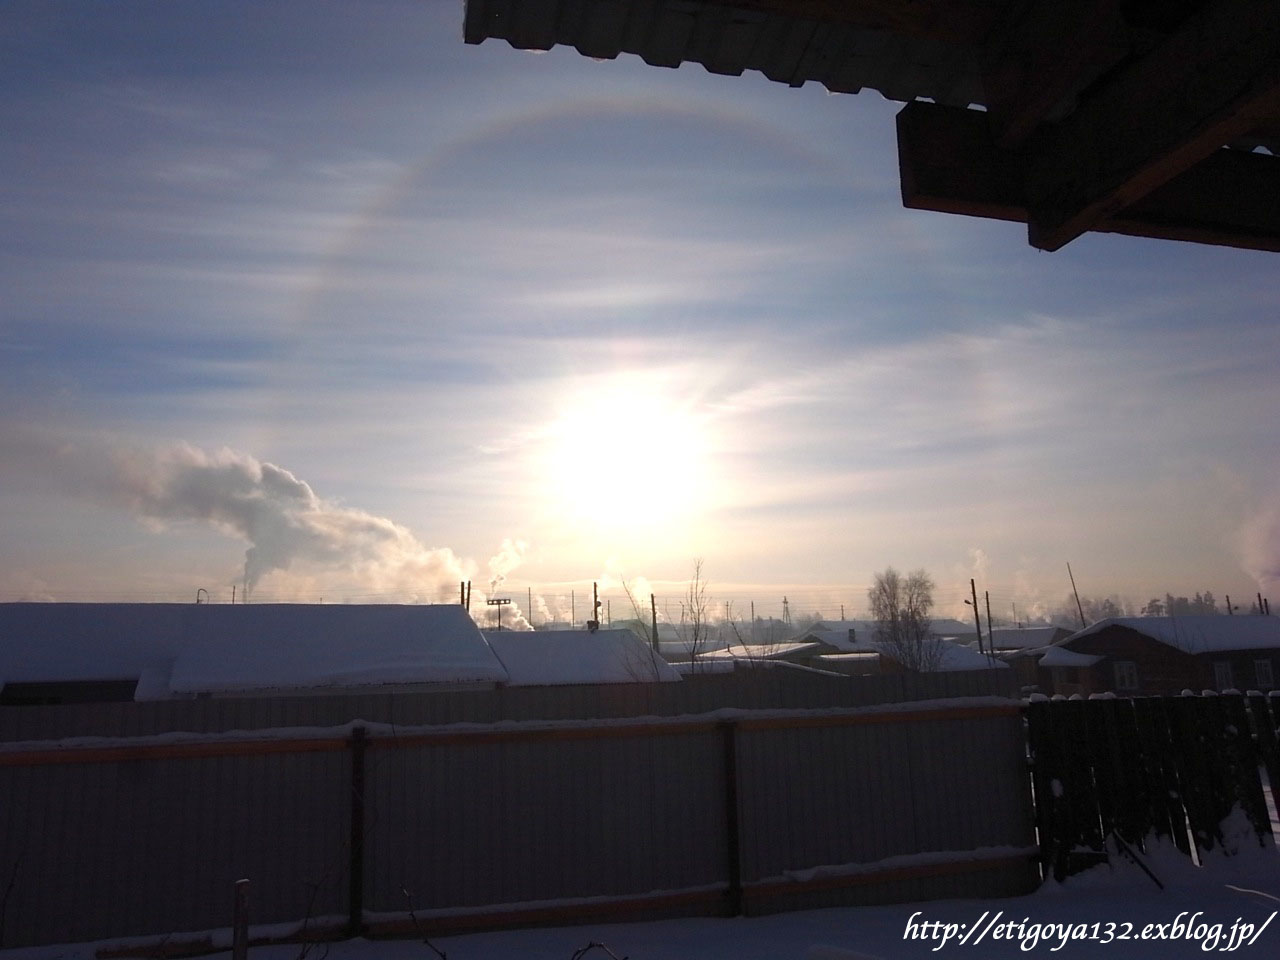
x: 272, y: 646
x: 955, y: 656
x: 767, y: 651
x: 555, y: 657
x: 1203, y: 634
x: 190, y: 648
x: 1025, y: 638
x: 1060, y: 656
x: 836, y: 632
x: 948, y: 627
x: 51, y: 642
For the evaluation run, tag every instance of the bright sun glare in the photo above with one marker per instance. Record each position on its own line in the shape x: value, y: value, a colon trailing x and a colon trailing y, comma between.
x: 628, y: 458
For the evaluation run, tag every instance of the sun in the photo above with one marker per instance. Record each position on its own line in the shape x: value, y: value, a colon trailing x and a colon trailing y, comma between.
x: 628, y: 456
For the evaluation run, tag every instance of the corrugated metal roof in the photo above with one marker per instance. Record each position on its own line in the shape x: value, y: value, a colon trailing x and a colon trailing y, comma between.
x: 787, y: 47
x: 730, y: 40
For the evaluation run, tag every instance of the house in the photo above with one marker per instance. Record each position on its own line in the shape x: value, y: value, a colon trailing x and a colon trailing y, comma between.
x: 1021, y: 648
x: 797, y: 652
x: 1165, y: 655
x: 81, y: 652
x: 559, y: 657
x: 849, y: 646
x: 1009, y: 640
x: 676, y: 642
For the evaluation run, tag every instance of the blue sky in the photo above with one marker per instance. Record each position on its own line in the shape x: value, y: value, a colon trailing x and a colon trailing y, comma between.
x: 614, y: 316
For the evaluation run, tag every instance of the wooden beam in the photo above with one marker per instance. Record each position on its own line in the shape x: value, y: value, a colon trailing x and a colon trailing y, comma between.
x: 949, y: 163
x: 1041, y: 54
x: 1215, y: 79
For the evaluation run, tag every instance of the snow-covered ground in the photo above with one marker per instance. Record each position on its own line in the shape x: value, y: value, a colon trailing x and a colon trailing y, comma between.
x: 1211, y: 904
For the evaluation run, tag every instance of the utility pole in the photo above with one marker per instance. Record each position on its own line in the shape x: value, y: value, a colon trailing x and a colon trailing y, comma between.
x: 595, y: 603
x: 233, y: 593
x: 1079, y: 608
x: 1230, y: 609
x: 653, y: 612
x: 977, y: 617
x: 991, y: 644
x: 499, y: 603
x: 842, y: 612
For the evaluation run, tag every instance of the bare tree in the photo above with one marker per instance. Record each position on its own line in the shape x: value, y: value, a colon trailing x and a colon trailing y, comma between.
x: 900, y: 606
x: 695, y: 629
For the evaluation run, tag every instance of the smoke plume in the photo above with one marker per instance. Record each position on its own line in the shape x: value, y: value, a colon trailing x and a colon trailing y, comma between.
x: 323, y: 545
x: 1260, y: 547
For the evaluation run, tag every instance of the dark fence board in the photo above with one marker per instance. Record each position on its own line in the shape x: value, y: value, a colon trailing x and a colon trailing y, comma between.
x: 1147, y: 769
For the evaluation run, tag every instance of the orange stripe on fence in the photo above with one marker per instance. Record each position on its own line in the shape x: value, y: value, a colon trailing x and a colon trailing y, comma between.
x: 164, y: 751
x: 770, y: 888
x: 122, y: 752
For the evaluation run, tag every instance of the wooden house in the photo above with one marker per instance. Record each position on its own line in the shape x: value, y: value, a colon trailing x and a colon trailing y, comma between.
x: 1165, y: 655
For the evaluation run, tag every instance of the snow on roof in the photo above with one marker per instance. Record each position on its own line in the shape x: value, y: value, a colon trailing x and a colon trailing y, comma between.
x: 1060, y: 656
x: 576, y: 656
x: 947, y: 627
x: 51, y: 642
x: 1025, y: 638
x: 764, y: 651
x: 224, y: 647
x: 955, y: 656
x: 267, y: 646
x: 836, y: 632
x: 1204, y: 634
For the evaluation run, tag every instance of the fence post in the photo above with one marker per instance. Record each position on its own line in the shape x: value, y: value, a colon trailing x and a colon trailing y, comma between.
x: 240, y: 922
x: 355, y: 869
x: 733, y: 840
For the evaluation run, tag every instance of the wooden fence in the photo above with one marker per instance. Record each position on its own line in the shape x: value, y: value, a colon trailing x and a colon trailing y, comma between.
x: 1132, y: 773
x: 343, y: 830
x: 748, y: 689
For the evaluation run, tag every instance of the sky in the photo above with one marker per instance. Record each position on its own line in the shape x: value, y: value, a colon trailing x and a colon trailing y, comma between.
x: 316, y: 300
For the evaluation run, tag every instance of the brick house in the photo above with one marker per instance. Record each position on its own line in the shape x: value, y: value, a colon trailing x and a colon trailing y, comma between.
x: 1165, y: 655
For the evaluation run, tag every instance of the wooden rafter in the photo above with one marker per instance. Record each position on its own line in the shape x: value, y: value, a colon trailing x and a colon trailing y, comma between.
x: 949, y: 163
x: 1041, y: 55
x: 1214, y: 80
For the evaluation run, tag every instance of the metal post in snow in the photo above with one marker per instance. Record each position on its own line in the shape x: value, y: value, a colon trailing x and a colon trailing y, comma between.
x: 355, y: 863
x: 240, y: 922
x: 733, y: 840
